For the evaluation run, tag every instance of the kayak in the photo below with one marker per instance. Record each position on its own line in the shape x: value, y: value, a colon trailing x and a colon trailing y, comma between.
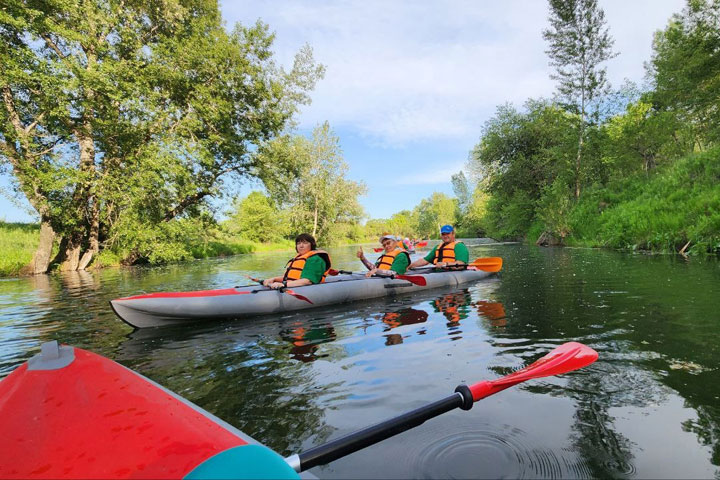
x: 169, y: 308
x: 70, y: 413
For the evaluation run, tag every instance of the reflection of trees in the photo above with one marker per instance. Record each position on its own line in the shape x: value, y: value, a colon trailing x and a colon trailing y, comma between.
x: 219, y: 368
x: 662, y: 310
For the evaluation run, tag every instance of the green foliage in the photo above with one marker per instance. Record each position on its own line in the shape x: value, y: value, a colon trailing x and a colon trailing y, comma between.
x: 320, y: 200
x: 675, y: 205
x: 131, y: 115
x: 257, y: 218
x: 686, y: 69
x: 17, y: 243
x: 509, y: 218
x: 640, y: 139
x: 554, y: 208
x: 434, y: 212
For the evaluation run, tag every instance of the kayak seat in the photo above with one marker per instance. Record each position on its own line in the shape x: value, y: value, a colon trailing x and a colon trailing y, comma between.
x: 244, y: 462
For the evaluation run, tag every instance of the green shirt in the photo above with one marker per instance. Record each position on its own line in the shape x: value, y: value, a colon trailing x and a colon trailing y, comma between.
x: 461, y: 253
x: 399, y: 265
x: 314, y: 269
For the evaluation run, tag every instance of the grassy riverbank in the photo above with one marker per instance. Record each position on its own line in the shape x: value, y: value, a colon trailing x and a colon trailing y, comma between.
x: 18, y: 242
x: 668, y: 210
x: 17, y: 245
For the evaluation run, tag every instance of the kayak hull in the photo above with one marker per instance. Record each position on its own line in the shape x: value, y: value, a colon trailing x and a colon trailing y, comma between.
x: 169, y: 308
x: 69, y: 413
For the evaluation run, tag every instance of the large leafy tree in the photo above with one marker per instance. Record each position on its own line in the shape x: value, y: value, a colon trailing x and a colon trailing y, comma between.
x: 685, y: 68
x: 120, y: 117
x: 321, y: 200
x: 579, y: 42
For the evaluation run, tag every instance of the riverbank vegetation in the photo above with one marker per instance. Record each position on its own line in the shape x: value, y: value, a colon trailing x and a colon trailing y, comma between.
x: 122, y: 128
x: 631, y: 168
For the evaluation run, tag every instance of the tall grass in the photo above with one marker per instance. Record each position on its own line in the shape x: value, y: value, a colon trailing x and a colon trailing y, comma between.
x: 666, y: 211
x: 18, y: 242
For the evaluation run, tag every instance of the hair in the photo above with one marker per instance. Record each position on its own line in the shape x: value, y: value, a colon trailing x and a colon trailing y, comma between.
x: 306, y: 237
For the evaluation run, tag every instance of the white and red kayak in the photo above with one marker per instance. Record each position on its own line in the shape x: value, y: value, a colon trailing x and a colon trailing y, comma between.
x: 69, y: 413
x: 168, y: 308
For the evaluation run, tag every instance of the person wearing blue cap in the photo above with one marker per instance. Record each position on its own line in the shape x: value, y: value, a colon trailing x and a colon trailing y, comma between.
x: 450, y: 253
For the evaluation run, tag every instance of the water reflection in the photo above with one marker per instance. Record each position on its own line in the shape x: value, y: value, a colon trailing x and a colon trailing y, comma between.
x: 405, y: 316
x: 650, y: 407
x: 305, y: 340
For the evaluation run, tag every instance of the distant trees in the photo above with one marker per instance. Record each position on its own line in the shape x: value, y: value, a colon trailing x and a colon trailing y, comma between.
x: 121, y: 118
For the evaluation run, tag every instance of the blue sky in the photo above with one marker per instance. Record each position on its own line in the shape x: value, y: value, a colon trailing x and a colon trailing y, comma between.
x: 409, y: 83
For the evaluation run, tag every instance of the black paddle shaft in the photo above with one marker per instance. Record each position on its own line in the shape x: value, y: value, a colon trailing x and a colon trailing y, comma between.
x: 320, y: 455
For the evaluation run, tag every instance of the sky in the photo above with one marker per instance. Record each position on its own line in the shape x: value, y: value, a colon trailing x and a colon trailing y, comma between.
x: 410, y: 83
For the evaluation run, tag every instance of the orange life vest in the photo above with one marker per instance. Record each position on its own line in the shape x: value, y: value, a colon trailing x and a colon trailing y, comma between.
x: 294, y: 268
x: 386, y: 259
x: 445, y: 253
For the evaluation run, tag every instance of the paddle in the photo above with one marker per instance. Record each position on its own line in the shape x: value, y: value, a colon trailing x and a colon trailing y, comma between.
x: 414, y: 279
x: 282, y: 290
x: 565, y: 358
x: 488, y: 264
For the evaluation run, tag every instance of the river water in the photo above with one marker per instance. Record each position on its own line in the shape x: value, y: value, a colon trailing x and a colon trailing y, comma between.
x: 648, y: 408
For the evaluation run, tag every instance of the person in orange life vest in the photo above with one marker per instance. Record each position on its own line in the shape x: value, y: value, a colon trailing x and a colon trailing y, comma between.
x: 449, y: 253
x: 308, y: 267
x: 393, y: 260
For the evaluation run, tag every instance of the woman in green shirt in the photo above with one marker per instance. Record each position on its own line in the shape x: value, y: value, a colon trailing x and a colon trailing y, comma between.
x: 308, y: 267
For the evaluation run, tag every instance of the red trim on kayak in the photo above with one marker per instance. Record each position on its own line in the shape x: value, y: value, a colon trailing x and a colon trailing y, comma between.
x: 197, y: 293
x: 97, y: 419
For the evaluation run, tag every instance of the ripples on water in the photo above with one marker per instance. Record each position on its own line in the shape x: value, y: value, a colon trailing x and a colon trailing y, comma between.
x: 296, y: 380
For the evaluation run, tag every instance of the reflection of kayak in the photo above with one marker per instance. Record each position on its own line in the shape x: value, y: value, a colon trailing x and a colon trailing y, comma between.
x: 69, y: 413
x: 167, y: 308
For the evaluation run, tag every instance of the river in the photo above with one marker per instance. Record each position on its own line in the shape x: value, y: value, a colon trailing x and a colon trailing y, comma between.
x: 648, y: 408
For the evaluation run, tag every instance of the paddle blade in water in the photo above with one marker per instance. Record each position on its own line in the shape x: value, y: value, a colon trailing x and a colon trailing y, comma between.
x: 565, y: 358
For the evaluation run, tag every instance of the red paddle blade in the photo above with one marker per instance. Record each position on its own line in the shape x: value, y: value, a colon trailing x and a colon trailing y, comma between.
x: 297, y: 295
x: 416, y: 279
x: 378, y: 249
x: 488, y: 264
x: 565, y: 358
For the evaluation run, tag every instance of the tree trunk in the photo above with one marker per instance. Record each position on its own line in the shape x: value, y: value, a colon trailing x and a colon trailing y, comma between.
x: 577, y: 165
x: 94, y: 232
x: 72, y: 254
x: 41, y: 259
x: 315, y: 220
x: 83, y: 200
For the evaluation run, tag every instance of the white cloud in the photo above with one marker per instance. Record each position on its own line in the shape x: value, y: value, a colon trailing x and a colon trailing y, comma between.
x: 402, y: 71
x: 432, y: 175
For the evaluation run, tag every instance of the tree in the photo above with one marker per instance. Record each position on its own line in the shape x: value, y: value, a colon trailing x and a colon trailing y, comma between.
x: 256, y: 218
x: 119, y: 118
x: 685, y: 68
x: 579, y: 42
x: 519, y: 154
x: 321, y: 200
x: 434, y: 212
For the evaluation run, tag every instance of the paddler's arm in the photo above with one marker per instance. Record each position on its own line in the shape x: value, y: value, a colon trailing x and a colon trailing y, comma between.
x: 290, y: 283
x: 421, y: 262
x: 361, y: 255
